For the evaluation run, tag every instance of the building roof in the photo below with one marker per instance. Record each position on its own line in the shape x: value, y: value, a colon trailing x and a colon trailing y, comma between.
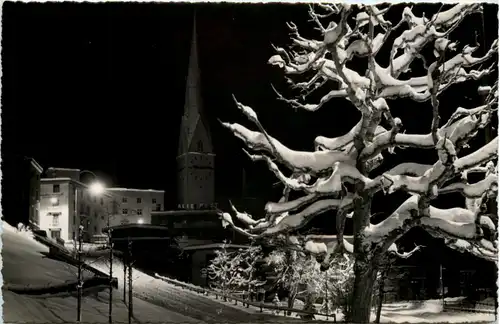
x: 184, y: 212
x: 37, y: 166
x: 214, y: 246
x: 63, y: 169
x: 136, y: 190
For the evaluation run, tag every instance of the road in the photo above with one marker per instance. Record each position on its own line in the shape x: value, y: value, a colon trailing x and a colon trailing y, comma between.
x: 25, y: 264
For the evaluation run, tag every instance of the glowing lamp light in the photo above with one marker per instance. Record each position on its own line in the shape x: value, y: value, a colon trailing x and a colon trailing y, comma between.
x: 140, y: 221
x: 96, y: 188
x: 53, y: 200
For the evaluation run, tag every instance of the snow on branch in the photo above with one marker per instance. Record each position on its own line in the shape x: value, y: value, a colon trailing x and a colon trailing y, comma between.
x: 315, y: 162
x: 338, y: 175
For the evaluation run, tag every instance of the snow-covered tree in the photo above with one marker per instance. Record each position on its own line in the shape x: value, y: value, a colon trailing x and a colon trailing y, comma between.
x: 336, y: 286
x: 233, y: 271
x: 297, y: 272
x: 346, y: 173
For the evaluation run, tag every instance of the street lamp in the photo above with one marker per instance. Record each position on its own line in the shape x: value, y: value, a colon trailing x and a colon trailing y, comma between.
x: 96, y: 188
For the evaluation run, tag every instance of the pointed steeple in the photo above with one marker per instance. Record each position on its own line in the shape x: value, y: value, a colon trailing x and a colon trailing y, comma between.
x: 194, y: 133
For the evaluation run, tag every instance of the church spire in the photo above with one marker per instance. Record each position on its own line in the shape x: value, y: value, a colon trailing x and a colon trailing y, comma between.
x: 194, y: 126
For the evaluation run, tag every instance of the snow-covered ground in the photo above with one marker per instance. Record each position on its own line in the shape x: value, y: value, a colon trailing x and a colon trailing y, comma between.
x: 429, y: 311
x: 25, y: 261
x: 181, y: 300
x: 25, y: 264
x: 23, y: 309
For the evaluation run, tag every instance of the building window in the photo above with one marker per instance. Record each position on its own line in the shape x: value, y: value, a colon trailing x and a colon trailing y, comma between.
x: 102, y: 202
x: 139, y: 211
x: 102, y: 217
x: 154, y: 200
x: 124, y: 211
x: 139, y: 200
x: 124, y: 199
x: 55, y: 234
x: 158, y: 207
x: 56, y: 188
x: 55, y: 219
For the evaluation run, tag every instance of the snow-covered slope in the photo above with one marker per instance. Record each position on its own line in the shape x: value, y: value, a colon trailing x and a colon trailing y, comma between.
x: 22, y: 309
x: 25, y: 261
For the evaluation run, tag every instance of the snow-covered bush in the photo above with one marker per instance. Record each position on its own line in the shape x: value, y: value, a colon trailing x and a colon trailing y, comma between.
x: 296, y: 273
x: 235, y: 271
x: 347, y: 172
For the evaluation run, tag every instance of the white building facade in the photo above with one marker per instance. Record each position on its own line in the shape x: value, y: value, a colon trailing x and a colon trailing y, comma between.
x: 65, y: 203
x: 134, y: 206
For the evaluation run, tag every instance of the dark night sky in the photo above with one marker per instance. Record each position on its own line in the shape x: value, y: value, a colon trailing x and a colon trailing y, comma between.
x: 101, y: 86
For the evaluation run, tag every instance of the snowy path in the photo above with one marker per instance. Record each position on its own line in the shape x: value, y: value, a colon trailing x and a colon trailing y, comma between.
x: 22, y: 309
x: 186, y: 302
x: 24, y: 262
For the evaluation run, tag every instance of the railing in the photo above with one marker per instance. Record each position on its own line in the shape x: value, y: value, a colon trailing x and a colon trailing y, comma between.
x: 470, y: 306
x: 245, y: 301
x: 65, y: 255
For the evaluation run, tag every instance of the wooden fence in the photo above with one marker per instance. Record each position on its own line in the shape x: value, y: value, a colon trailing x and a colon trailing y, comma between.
x: 469, y: 306
x: 244, y: 300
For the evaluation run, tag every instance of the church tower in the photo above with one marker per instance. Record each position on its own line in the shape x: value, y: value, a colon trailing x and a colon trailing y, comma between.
x: 195, y: 159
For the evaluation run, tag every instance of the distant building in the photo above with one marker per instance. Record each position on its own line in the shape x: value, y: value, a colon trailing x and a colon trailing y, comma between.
x: 196, y: 159
x: 65, y: 203
x: 20, y: 190
x: 195, y: 220
x: 134, y: 206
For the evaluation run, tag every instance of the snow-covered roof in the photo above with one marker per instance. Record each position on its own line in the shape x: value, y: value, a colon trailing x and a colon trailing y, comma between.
x: 55, y: 179
x: 184, y: 212
x: 37, y: 166
x: 214, y: 246
x: 136, y: 190
x: 63, y: 169
x: 135, y: 225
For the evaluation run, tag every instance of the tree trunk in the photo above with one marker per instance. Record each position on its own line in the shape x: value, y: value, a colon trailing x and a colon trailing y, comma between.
x: 381, y: 295
x: 365, y: 277
x: 366, y: 262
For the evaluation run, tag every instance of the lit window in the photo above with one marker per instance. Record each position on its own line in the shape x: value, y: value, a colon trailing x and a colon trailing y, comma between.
x: 124, y: 211
x: 56, y: 188
x: 54, y: 201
